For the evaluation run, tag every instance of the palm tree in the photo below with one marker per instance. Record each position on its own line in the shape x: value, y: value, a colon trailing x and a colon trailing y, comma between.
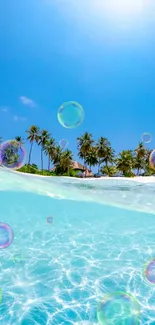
x: 63, y: 161
x: 124, y: 162
x: 102, y: 145
x: 140, y: 156
x: 109, y: 155
x: 57, y: 155
x: 49, y: 150
x: 109, y: 170
x: 91, y: 157
x: 19, y: 140
x: 42, y: 139
x: 32, y: 136
x: 85, y: 143
x: 66, y: 160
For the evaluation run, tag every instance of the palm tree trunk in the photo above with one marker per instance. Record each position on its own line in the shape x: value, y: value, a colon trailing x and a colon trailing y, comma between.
x: 29, y: 160
x: 99, y: 166
x: 49, y: 160
x: 85, y: 167
x: 41, y: 158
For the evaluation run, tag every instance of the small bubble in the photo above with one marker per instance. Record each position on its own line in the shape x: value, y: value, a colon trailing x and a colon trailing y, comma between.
x: 63, y: 143
x: 146, y: 137
x: 17, y: 258
x: 49, y: 220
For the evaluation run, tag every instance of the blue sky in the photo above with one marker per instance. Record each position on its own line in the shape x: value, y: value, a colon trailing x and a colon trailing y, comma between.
x: 98, y: 53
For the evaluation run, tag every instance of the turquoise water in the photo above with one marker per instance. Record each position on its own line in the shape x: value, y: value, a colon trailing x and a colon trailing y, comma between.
x: 102, y: 235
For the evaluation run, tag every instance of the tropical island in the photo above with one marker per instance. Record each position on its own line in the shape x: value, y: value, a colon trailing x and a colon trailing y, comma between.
x: 128, y: 163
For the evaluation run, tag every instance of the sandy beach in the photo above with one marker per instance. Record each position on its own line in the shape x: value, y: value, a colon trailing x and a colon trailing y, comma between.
x: 139, y: 179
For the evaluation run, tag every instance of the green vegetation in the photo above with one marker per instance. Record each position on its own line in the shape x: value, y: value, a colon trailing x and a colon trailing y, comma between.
x: 101, y: 154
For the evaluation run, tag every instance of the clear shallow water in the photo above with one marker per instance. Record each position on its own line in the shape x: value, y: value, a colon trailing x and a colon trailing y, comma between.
x: 102, y: 235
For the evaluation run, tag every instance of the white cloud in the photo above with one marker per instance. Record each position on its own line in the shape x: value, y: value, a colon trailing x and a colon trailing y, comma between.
x: 4, y: 109
x: 19, y: 118
x: 27, y: 101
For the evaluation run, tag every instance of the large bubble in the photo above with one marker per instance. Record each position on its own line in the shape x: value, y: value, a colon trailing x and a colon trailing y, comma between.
x: 70, y: 115
x: 152, y: 160
x: 118, y: 308
x: 149, y: 271
x: 146, y: 137
x: 6, y: 235
x: 12, y: 154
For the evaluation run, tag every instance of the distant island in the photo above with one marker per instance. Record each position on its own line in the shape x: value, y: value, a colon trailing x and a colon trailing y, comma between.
x: 128, y: 163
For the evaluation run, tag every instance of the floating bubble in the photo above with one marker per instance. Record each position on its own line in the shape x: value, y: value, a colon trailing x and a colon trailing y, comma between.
x: 152, y: 160
x: 49, y: 219
x: 149, y: 271
x: 6, y: 235
x: 118, y: 308
x: 12, y: 154
x: 63, y: 143
x: 146, y: 137
x: 17, y: 258
x: 70, y: 115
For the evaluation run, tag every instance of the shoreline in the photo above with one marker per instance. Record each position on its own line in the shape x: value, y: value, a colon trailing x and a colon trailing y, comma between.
x: 139, y: 179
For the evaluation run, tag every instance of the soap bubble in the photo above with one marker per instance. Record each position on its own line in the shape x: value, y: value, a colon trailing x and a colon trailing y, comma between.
x: 146, y: 137
x: 17, y: 258
x: 152, y: 160
x: 118, y: 308
x: 49, y: 219
x: 149, y: 271
x: 12, y: 154
x: 63, y: 143
x: 70, y: 115
x: 6, y: 235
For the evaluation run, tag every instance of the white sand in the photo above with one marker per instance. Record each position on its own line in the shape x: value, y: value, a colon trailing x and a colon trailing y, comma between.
x: 140, y: 179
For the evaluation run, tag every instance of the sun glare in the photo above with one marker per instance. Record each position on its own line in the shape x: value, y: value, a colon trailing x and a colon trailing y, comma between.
x: 119, y: 8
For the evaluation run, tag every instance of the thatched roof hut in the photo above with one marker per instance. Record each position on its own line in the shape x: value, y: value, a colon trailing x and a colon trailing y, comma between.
x: 79, y: 167
x: 88, y: 173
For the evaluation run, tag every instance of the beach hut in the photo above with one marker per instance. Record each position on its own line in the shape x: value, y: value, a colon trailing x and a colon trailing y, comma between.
x: 88, y: 173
